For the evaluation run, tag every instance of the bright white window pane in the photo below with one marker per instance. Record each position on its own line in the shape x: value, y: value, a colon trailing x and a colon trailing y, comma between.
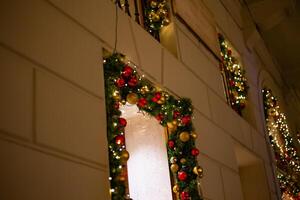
x: 148, y: 170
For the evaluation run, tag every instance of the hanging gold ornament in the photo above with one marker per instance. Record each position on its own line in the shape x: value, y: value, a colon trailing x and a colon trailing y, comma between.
x: 165, y: 22
x: 174, y: 168
x: 132, y: 98
x: 171, y: 127
x: 198, y: 171
x: 184, y: 136
x: 182, y: 160
x: 175, y: 122
x: 155, y: 17
x: 124, y: 156
x: 144, y: 89
x: 161, y: 100
x: 176, y: 189
x: 123, y: 101
x: 116, y: 95
x: 153, y: 4
x: 194, y: 135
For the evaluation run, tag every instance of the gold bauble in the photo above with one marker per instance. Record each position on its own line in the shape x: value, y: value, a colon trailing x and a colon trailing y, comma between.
x: 170, y: 125
x: 175, y: 122
x: 166, y: 22
x: 153, y: 4
x: 184, y: 136
x: 144, y: 89
x: 174, y: 168
x: 198, y: 171
x: 182, y: 160
x: 161, y: 100
x: 155, y: 17
x: 194, y: 135
x: 176, y: 189
x: 123, y: 101
x: 116, y: 95
x: 124, y: 156
x: 132, y: 98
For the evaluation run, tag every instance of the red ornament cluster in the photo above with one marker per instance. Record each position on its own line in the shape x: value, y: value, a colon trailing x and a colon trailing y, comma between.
x: 127, y: 76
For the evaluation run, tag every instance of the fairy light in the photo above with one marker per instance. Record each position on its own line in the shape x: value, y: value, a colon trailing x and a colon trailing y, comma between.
x: 288, y: 165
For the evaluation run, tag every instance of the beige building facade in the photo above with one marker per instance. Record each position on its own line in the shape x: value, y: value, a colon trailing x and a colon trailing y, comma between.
x: 53, y: 121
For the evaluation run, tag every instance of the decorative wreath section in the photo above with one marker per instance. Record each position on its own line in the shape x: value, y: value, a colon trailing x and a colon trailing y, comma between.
x: 124, y: 85
x: 235, y: 79
x: 287, y: 160
x: 156, y: 14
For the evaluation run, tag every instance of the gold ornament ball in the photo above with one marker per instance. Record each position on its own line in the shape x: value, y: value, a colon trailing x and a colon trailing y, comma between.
x: 176, y: 189
x: 184, y: 136
x: 194, y: 135
x: 170, y: 125
x: 182, y: 160
x: 132, y: 98
x: 174, y: 168
x: 175, y: 122
x: 124, y: 156
x: 153, y: 4
x: 116, y: 96
x: 198, y: 171
x: 155, y: 17
x: 166, y: 22
x: 161, y: 100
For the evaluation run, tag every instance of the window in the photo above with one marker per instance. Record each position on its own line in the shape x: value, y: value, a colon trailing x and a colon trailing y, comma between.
x: 233, y: 75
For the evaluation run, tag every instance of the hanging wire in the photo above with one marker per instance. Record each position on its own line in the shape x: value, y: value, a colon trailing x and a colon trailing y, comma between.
x: 117, y: 2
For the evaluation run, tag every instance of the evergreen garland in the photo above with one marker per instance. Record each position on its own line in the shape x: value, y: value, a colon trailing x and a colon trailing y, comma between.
x: 123, y: 84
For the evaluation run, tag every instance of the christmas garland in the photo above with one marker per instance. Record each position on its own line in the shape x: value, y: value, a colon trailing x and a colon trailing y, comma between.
x: 124, y: 85
x: 236, y: 81
x: 287, y: 160
x: 156, y: 14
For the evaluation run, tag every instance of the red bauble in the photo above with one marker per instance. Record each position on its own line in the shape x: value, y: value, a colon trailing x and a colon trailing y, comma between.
x: 120, y: 82
x: 176, y: 114
x: 157, y: 95
x: 171, y: 144
x: 116, y: 105
x: 159, y: 117
x: 231, y: 83
x: 195, y: 152
x: 127, y: 71
x: 229, y: 52
x: 142, y: 102
x: 132, y: 81
x: 154, y: 99
x: 186, y: 120
x: 182, y: 176
x: 120, y: 139
x: 122, y: 122
x: 185, y: 195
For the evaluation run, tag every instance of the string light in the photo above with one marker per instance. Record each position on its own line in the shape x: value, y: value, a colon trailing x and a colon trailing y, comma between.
x: 288, y: 164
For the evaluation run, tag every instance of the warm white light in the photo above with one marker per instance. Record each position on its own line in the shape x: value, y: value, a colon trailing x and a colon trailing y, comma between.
x: 148, y: 170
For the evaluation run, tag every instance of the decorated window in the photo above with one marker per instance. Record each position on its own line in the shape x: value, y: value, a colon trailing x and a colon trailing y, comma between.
x: 152, y: 14
x: 287, y: 160
x: 129, y: 94
x: 234, y: 78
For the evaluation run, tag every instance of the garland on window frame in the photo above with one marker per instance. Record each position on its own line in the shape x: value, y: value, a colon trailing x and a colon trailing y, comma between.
x: 123, y: 84
x: 156, y: 14
x: 236, y: 81
x: 287, y: 160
